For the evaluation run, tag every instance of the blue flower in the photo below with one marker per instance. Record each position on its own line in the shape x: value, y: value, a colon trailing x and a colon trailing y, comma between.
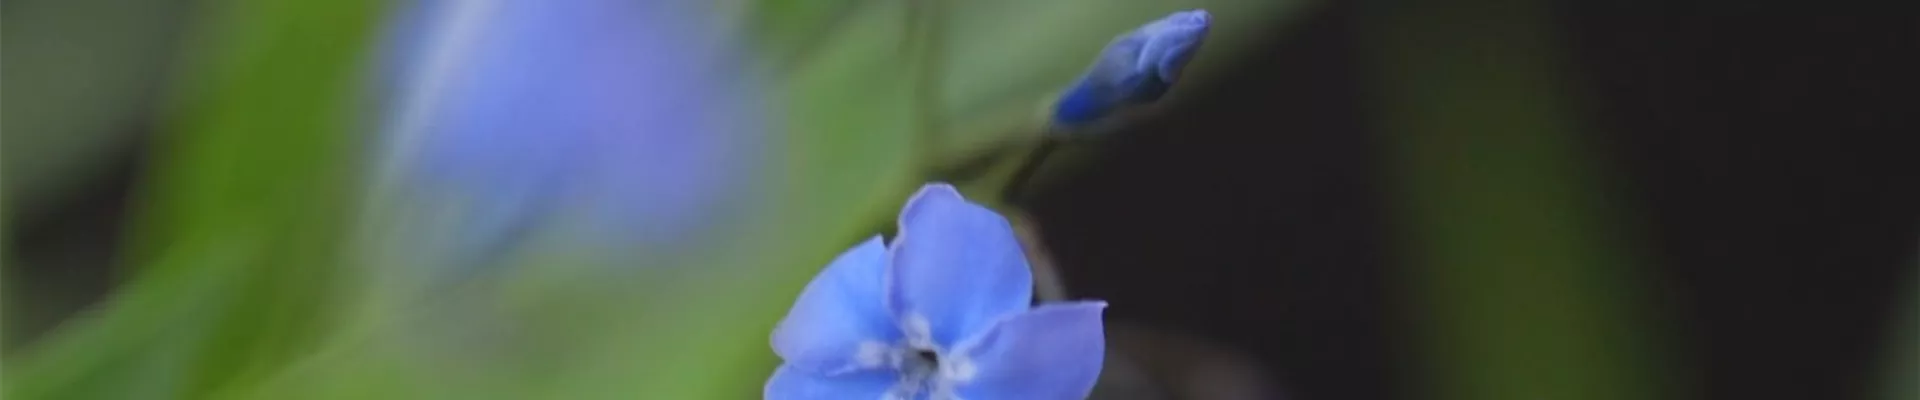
x: 1136, y: 68
x: 628, y: 119
x: 941, y: 313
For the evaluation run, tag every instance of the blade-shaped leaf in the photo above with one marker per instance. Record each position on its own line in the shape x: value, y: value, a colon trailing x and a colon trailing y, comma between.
x: 239, y: 227
x: 1528, y: 292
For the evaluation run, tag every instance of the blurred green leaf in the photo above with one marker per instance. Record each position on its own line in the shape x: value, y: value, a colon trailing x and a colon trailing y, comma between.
x: 265, y: 168
x: 790, y: 31
x: 81, y: 83
x: 1524, y: 289
x: 9, y: 287
x: 81, y: 77
x: 1900, y: 376
x: 240, y: 230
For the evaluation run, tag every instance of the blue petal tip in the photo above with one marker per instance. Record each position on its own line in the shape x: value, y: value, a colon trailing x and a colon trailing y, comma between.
x: 1136, y: 68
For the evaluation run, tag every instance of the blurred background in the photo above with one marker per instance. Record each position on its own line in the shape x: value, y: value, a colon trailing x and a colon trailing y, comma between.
x: 1475, y: 199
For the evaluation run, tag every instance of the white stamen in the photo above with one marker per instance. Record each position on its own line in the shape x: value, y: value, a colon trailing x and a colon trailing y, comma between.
x: 934, y: 376
x: 873, y: 354
x: 957, y: 369
x: 918, y: 330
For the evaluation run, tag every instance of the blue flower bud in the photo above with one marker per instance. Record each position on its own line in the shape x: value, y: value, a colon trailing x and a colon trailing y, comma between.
x: 1136, y: 68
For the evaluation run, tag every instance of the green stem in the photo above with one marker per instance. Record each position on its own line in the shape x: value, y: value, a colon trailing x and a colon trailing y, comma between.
x: 1015, y: 189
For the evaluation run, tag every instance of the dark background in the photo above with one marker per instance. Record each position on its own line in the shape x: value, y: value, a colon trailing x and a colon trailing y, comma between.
x: 1771, y: 154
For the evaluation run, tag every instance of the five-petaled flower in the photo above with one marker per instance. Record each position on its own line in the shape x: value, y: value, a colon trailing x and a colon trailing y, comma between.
x: 943, y: 312
x: 1136, y: 68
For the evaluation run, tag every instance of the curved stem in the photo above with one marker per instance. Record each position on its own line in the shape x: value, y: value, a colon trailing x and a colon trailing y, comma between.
x: 1016, y: 185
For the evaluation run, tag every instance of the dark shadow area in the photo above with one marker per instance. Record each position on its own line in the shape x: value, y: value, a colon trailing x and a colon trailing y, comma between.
x: 1771, y: 156
x: 68, y: 255
x: 1250, y: 215
x: 1776, y: 159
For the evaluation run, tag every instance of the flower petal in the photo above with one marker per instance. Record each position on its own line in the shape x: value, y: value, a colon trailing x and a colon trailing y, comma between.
x: 956, y: 267
x: 1105, y: 86
x: 789, y: 383
x: 838, y: 313
x: 1172, y: 41
x: 1052, y: 352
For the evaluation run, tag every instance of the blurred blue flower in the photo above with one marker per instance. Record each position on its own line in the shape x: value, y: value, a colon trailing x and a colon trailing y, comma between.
x: 942, y: 313
x: 630, y: 118
x: 1136, y: 68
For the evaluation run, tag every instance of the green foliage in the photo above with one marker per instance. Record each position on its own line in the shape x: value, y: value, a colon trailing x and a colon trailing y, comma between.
x: 238, y: 244
x: 1523, y: 289
x: 1900, y: 378
x: 79, y: 77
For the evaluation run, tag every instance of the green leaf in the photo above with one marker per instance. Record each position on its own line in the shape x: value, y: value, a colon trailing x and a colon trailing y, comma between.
x: 1900, y: 371
x: 1524, y: 290
x: 240, y: 232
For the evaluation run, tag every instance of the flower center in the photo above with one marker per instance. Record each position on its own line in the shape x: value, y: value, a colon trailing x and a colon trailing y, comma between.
x: 919, y: 372
x: 919, y: 364
x: 924, y: 370
x: 928, y: 356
